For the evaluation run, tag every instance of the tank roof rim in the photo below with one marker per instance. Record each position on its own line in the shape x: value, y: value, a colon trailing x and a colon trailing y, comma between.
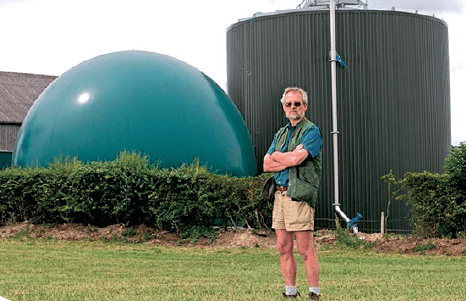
x: 261, y: 15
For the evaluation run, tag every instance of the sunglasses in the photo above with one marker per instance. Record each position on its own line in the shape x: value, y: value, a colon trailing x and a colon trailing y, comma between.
x: 296, y: 104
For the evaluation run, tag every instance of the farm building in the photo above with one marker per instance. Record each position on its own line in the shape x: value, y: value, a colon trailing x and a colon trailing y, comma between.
x: 18, y: 91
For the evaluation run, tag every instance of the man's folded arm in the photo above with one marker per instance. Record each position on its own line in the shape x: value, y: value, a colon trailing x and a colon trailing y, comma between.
x: 279, y: 161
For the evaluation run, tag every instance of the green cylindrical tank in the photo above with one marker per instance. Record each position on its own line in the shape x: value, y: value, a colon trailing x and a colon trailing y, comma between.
x: 136, y: 100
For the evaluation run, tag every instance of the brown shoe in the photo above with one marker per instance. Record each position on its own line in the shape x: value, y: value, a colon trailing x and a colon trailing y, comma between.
x: 291, y: 296
x: 313, y: 296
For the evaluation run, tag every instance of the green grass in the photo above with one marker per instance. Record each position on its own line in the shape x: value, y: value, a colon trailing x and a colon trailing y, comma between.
x: 32, y: 269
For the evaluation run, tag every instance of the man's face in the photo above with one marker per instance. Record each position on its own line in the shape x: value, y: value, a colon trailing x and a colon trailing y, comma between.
x: 294, y: 106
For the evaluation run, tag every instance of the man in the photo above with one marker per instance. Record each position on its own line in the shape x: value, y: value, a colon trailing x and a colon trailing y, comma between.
x: 295, y: 157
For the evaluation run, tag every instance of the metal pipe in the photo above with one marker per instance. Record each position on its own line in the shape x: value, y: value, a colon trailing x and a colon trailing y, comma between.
x: 333, y: 60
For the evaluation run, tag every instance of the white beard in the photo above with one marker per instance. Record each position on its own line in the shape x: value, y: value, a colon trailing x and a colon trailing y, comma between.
x: 295, y: 117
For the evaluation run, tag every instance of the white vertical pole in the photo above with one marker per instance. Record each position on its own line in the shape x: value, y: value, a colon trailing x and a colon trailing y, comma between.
x: 333, y: 60
x: 382, y: 223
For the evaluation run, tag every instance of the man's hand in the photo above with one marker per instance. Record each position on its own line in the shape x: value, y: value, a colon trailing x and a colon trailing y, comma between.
x: 298, y: 148
x: 279, y: 161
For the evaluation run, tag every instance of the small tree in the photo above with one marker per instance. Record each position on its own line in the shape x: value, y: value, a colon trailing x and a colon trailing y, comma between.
x: 392, y: 195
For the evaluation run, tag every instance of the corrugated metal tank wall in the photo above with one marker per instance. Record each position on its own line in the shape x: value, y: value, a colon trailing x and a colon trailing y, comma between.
x: 393, y: 98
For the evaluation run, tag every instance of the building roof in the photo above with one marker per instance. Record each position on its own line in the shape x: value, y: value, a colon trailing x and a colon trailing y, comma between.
x: 18, y: 91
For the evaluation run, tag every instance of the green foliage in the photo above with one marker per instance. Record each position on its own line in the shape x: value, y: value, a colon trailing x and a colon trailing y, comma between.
x: 455, y: 166
x: 434, y: 210
x: 428, y: 246
x: 23, y: 234
x: 437, y: 201
x: 392, y: 182
x: 344, y: 238
x: 128, y: 232
x: 193, y: 200
x: 190, y: 200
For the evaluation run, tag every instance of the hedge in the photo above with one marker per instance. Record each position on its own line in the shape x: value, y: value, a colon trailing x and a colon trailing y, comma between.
x: 437, y: 210
x: 189, y: 200
x: 437, y: 201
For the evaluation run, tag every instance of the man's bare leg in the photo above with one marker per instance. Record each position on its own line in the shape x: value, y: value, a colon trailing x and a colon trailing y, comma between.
x: 304, y: 241
x: 288, y: 262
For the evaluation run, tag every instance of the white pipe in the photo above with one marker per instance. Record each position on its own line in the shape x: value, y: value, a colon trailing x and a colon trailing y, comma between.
x: 333, y: 60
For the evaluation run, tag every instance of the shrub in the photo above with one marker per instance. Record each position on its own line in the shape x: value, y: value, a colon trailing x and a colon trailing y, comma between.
x: 189, y: 200
x: 434, y: 210
x: 455, y: 167
x: 193, y: 200
x: 438, y: 206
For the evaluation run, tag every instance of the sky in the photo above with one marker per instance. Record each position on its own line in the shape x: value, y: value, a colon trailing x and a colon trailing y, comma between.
x: 52, y: 36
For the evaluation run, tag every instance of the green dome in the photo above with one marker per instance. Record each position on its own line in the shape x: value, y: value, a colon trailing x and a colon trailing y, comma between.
x: 141, y: 101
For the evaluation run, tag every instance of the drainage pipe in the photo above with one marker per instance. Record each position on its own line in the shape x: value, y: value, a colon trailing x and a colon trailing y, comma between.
x: 333, y: 55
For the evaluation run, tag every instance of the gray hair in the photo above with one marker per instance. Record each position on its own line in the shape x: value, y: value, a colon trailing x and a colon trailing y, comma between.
x: 303, y: 93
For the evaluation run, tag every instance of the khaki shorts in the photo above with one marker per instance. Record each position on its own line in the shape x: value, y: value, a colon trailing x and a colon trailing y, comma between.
x: 291, y: 215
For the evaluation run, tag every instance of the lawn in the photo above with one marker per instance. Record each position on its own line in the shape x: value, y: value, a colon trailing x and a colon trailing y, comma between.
x: 41, y: 269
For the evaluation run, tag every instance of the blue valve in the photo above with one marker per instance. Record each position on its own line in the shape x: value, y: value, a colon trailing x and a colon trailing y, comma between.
x: 340, y: 60
x: 355, y: 220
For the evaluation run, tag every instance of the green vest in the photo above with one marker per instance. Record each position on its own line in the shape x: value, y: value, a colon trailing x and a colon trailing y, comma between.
x: 304, y: 180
